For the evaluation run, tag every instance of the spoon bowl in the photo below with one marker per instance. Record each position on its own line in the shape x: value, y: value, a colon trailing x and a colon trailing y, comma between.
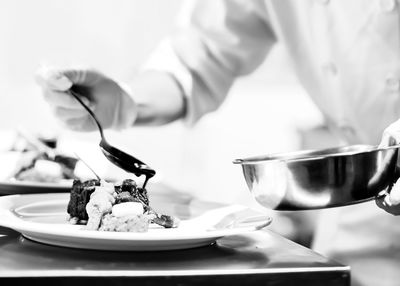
x: 125, y: 161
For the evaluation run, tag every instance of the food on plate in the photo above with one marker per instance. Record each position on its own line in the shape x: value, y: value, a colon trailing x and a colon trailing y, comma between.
x: 39, y: 159
x: 40, y: 167
x: 122, y: 207
x: 138, y: 223
x: 79, y: 197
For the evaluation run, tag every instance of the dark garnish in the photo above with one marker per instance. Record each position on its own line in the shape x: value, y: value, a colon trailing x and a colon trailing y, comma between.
x: 79, y: 197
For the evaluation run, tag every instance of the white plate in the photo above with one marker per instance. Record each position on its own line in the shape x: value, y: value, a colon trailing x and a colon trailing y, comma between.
x: 43, y: 218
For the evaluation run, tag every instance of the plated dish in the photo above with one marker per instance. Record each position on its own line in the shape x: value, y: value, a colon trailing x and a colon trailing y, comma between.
x: 43, y: 218
x: 119, y: 207
x: 25, y: 172
x: 35, y: 164
x: 11, y: 164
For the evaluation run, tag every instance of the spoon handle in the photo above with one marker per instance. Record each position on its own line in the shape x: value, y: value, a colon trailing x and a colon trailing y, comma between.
x: 77, y: 97
x: 88, y: 166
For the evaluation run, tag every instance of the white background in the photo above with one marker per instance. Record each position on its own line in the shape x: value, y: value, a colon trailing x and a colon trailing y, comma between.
x: 263, y: 113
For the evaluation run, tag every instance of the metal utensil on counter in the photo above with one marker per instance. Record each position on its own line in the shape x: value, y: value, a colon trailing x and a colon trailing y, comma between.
x: 116, y: 156
x: 229, y: 217
x: 318, y: 179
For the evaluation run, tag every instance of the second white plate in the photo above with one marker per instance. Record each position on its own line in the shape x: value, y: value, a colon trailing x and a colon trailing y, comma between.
x: 29, y: 187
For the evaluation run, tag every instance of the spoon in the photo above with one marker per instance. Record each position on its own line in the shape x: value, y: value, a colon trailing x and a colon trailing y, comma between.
x: 119, y: 158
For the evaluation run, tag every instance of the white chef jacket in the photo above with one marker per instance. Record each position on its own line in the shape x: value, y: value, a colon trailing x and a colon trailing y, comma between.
x: 346, y: 54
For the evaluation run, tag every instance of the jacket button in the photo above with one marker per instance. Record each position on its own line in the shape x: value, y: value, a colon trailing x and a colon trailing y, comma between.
x: 392, y: 84
x: 387, y: 5
x: 324, y: 2
x: 329, y: 68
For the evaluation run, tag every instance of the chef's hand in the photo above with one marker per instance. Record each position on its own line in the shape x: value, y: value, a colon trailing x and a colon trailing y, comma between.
x: 112, y: 104
x: 391, y: 202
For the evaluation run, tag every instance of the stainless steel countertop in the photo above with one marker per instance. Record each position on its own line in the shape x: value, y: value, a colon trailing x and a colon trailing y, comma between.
x: 261, y: 257
x: 249, y: 259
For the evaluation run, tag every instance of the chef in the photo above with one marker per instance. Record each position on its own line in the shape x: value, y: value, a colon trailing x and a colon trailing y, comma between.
x: 346, y: 55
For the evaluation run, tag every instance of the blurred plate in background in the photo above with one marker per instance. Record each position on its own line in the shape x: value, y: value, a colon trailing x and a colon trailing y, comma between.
x: 25, y: 187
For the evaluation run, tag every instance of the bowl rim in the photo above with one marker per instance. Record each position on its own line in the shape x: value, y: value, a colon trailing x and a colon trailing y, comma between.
x: 313, y: 154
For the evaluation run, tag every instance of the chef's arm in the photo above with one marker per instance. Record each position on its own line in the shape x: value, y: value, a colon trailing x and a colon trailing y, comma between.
x: 214, y: 43
x: 188, y: 75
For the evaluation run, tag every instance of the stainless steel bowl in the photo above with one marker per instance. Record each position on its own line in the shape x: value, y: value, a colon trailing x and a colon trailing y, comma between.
x: 317, y: 179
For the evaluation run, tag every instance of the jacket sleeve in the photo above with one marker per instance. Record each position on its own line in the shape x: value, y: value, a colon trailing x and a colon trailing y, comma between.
x: 215, y: 42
